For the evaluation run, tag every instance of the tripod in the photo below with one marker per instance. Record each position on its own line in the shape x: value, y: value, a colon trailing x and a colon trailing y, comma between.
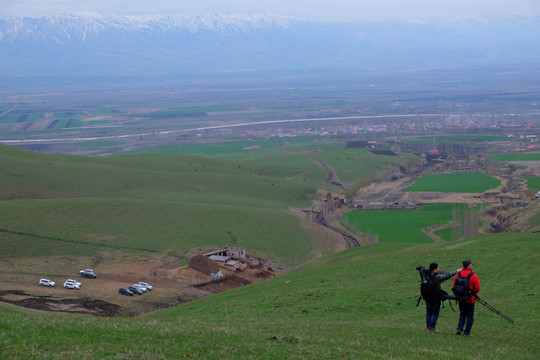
x: 493, y: 309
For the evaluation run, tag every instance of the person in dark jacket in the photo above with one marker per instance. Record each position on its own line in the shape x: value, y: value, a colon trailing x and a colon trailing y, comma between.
x: 433, y: 305
x: 466, y: 308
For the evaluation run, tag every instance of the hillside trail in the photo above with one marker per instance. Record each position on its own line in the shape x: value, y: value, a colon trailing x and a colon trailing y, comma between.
x: 332, y: 177
x: 430, y: 230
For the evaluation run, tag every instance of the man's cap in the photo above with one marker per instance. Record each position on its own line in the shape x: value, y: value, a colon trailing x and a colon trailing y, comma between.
x: 466, y: 262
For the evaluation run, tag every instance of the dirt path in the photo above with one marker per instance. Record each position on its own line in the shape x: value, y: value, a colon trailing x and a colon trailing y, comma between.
x: 331, y: 176
x: 426, y: 197
x: 430, y: 230
x: 378, y: 191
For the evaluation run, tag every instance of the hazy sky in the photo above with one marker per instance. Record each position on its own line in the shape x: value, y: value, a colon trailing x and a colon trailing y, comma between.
x: 365, y: 10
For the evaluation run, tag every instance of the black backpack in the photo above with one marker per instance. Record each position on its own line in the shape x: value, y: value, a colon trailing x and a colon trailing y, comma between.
x: 429, y: 290
x: 461, y: 289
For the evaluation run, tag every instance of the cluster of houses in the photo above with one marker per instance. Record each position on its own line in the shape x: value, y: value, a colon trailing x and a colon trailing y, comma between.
x: 228, y: 258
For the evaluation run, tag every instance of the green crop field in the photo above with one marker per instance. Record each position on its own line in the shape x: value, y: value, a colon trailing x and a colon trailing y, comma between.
x: 533, y: 183
x: 6, y: 119
x: 445, y: 233
x: 401, y: 225
x: 469, y: 182
x: 356, y: 304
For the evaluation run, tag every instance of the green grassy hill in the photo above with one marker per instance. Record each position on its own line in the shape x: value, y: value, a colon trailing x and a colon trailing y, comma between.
x: 356, y: 304
x: 152, y: 202
x: 61, y: 212
x: 288, y: 157
x: 166, y: 202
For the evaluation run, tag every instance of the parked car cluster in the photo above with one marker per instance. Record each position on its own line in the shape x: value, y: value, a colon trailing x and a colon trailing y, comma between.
x: 68, y: 284
x: 138, y: 289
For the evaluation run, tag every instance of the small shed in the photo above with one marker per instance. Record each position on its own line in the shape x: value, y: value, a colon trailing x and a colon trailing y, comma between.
x: 204, y: 264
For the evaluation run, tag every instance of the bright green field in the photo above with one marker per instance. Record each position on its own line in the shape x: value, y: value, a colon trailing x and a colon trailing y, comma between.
x: 401, y: 225
x: 533, y: 183
x: 469, y: 182
x: 6, y: 119
x: 356, y: 304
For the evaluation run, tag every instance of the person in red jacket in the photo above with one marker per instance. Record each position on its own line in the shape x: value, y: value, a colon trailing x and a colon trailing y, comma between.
x: 466, y: 308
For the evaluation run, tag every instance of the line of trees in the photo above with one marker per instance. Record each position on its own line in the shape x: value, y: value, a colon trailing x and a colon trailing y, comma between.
x: 466, y: 222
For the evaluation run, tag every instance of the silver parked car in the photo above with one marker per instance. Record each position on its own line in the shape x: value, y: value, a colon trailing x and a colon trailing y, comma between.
x: 142, y: 288
x: 146, y: 285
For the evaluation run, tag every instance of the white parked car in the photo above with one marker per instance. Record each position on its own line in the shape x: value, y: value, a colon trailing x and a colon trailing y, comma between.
x: 46, y: 282
x: 72, y: 284
x: 146, y: 285
x: 86, y: 270
x: 137, y: 286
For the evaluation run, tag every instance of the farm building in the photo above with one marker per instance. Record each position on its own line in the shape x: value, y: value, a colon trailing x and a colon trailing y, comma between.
x: 227, y: 257
x: 227, y: 251
x: 203, y: 264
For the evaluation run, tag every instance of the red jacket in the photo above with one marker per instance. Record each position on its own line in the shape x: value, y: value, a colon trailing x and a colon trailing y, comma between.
x: 474, y: 282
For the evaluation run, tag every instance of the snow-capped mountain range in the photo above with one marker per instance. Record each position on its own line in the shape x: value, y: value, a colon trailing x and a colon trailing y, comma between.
x: 89, y: 43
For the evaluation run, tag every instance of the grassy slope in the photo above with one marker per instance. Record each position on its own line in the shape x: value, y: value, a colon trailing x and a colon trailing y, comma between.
x: 287, y: 157
x: 355, y: 304
x: 165, y: 202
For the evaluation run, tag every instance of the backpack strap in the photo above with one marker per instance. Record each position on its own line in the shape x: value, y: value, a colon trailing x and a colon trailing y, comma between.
x: 463, y: 277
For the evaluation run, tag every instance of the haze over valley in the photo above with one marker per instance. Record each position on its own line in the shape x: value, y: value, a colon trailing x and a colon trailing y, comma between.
x: 163, y: 75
